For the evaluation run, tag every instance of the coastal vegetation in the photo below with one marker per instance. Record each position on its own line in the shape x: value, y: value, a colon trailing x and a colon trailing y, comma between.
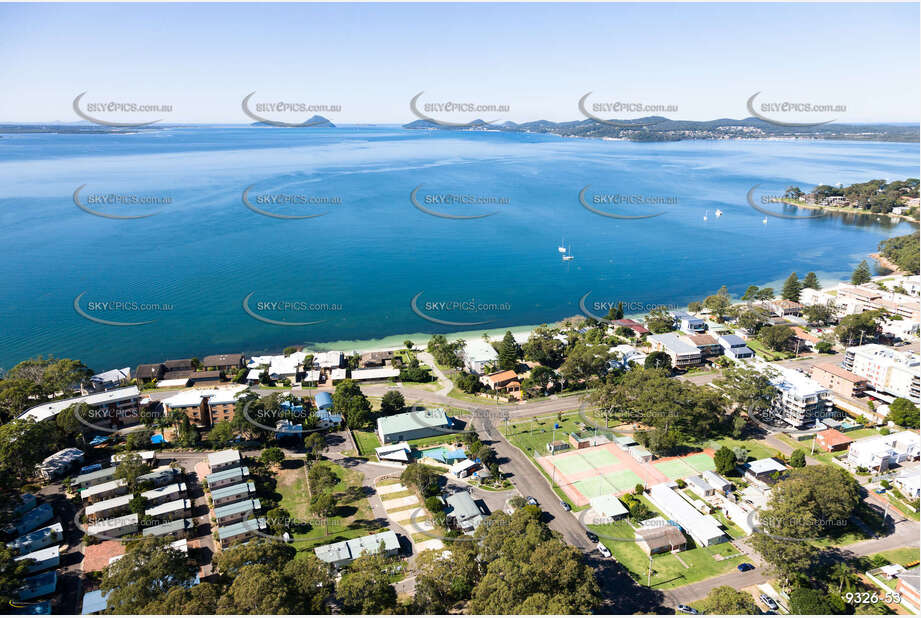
x: 903, y: 251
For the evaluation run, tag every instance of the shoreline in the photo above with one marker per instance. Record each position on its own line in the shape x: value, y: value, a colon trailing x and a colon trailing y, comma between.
x: 848, y: 211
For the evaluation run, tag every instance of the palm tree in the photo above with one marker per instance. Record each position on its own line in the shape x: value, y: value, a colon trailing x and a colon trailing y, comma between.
x: 843, y: 574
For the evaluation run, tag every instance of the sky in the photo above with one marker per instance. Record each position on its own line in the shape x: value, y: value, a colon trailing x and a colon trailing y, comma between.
x: 706, y: 60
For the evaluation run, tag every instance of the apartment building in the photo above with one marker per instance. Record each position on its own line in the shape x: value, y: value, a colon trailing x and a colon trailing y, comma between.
x: 205, y: 406
x: 891, y: 372
x: 800, y: 400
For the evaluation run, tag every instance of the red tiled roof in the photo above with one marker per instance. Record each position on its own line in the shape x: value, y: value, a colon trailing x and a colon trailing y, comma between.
x: 96, y: 557
x: 839, y: 371
x: 833, y: 437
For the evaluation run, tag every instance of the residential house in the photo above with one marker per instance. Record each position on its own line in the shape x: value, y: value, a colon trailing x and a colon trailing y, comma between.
x: 682, y: 354
x: 147, y: 373
x: 114, y: 527
x: 106, y: 381
x: 59, y: 464
x: 717, y: 482
x: 763, y: 470
x: 478, y: 355
x: 375, y: 374
x: 879, y: 453
x: 706, y: 344
x: 465, y: 468
x: 236, y: 512
x: 463, y: 513
x: 909, y: 483
x: 103, y: 475
x: 31, y: 520
x: 167, y: 493
x: 400, y: 452
x: 661, y: 539
x: 37, y: 539
x: 174, y: 529
x: 169, y: 511
x: 832, y: 440
x: 608, y: 508
x: 782, y: 307
x: 43, y: 559
x: 106, y: 406
x: 839, y: 380
x: 108, y: 508
x: 224, y: 460
x: 734, y: 347
x: 699, y: 486
x: 633, y: 325
x: 231, y: 494
x: 625, y: 357
x: 228, y: 363
x: 504, y: 382
x: 687, y: 323
x: 231, y: 476
x: 375, y: 359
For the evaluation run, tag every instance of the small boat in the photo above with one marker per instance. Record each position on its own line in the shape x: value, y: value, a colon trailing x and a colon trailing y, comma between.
x: 706, y: 214
x: 568, y: 256
x: 561, y: 248
x: 764, y: 221
x: 719, y: 213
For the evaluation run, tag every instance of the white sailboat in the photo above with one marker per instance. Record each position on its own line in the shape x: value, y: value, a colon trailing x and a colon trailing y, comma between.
x: 568, y: 256
x: 764, y: 221
x: 561, y: 248
x: 706, y: 214
x: 719, y: 213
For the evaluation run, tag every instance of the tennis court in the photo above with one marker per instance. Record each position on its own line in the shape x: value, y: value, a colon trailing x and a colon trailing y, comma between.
x: 700, y: 462
x: 572, y: 463
x: 674, y: 469
x: 599, y: 458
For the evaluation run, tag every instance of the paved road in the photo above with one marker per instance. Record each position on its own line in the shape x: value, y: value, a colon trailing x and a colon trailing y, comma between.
x: 905, y: 535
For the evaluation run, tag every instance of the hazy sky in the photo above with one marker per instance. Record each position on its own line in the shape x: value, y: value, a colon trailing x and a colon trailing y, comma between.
x: 538, y: 59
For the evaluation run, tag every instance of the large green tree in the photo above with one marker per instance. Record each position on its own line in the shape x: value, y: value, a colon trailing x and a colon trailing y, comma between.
x: 861, y: 274
x: 365, y: 587
x: 727, y: 600
x: 349, y: 401
x: 811, y: 280
x: 791, y: 288
x: 508, y: 352
x: 903, y: 412
x: 143, y: 575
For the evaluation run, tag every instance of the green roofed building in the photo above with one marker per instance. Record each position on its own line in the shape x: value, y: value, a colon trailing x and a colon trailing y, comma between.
x: 413, y: 425
x: 344, y: 553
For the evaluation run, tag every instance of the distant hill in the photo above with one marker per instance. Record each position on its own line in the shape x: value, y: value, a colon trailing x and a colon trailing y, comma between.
x: 661, y: 129
x: 313, y: 121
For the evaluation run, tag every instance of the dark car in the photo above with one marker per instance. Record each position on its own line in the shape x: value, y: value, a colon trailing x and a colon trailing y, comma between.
x: 565, y: 505
x: 591, y: 536
x: 530, y: 500
x: 745, y: 566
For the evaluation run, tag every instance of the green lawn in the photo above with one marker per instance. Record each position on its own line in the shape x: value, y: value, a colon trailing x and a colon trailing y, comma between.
x: 763, y: 351
x: 862, y: 433
x: 756, y: 450
x: 534, y: 434
x: 667, y: 571
x: 448, y: 438
x: 353, y: 517
x: 367, y: 441
x: 902, y: 555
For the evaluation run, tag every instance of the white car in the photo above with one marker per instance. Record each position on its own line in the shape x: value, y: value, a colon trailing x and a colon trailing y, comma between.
x: 604, y: 550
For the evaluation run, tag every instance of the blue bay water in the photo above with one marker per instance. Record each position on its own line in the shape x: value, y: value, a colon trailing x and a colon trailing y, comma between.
x: 204, y: 252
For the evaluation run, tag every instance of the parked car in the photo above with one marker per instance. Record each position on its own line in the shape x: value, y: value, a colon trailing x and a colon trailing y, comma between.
x: 591, y: 536
x: 745, y: 566
x: 771, y: 603
x: 687, y: 609
x: 604, y: 550
x: 530, y: 500
x: 565, y: 505
x: 881, y: 490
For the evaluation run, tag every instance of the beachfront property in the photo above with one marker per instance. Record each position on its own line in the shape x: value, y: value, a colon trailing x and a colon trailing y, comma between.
x: 224, y: 460
x: 660, y: 538
x: 682, y: 353
x: 240, y: 531
x: 687, y: 323
x: 375, y: 374
x: 37, y: 539
x: 413, y: 425
x: 114, y: 527
x: 103, y: 475
x: 839, y: 380
x: 170, y: 529
x: 706, y: 344
x: 46, y: 558
x: 59, y: 464
x: 224, y: 362
x: 344, y: 553
x: 633, y: 325
x: 890, y: 373
x: 879, y: 453
x: 704, y: 529
x: 230, y: 476
x: 832, y: 440
x: 231, y: 494
x: 163, y: 494
x: 329, y: 360
x: 119, y: 403
x: 782, y: 307
x: 734, y: 347
x: 462, y: 512
x: 478, y: 355
x: 204, y: 407
x: 763, y: 470
x: 167, y: 370
x: 105, y: 381
x: 238, y: 511
x: 860, y: 298
x: 800, y: 400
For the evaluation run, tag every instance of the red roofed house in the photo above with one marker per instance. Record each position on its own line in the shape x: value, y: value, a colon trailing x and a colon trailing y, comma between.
x: 832, y: 440
x: 504, y: 382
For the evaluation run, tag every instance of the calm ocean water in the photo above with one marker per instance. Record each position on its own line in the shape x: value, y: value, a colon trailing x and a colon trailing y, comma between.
x: 354, y: 270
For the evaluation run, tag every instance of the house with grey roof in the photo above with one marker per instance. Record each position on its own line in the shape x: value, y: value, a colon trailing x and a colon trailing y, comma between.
x: 344, y: 553
x: 240, y: 531
x: 462, y: 512
x: 413, y: 425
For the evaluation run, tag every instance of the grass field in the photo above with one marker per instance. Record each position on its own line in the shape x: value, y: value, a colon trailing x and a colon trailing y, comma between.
x: 902, y: 555
x: 534, y: 434
x: 367, y: 441
x: 756, y: 450
x: 353, y: 517
x: 449, y: 438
